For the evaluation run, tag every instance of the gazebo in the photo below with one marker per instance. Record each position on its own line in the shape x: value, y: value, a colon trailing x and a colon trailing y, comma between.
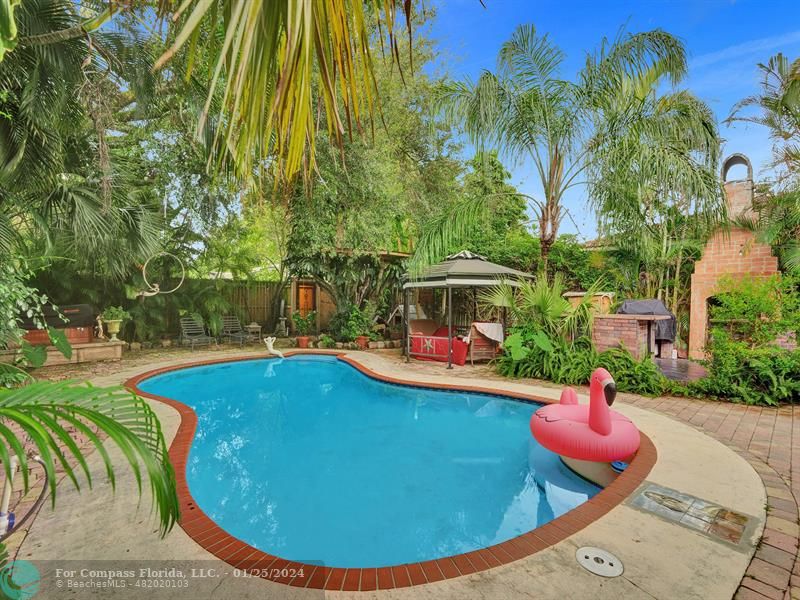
x: 462, y: 270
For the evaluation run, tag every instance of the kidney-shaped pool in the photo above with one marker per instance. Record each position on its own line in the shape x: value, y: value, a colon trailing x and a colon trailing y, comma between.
x: 309, y: 459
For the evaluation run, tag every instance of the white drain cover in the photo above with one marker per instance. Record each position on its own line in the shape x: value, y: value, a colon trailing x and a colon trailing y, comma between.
x: 599, y: 562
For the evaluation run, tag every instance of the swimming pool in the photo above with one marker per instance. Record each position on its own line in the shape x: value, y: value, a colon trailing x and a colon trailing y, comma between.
x: 309, y: 459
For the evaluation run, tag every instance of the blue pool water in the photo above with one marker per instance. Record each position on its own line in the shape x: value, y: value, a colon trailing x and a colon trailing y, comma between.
x: 309, y: 459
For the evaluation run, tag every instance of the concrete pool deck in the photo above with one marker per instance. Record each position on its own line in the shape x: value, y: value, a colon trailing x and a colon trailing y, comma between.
x: 662, y: 559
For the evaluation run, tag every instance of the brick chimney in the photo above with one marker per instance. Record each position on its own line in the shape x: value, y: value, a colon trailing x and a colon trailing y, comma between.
x: 738, y: 193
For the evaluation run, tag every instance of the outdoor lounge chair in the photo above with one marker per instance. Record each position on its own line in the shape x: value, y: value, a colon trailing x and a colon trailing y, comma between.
x: 232, y: 330
x: 481, y: 346
x: 193, y: 334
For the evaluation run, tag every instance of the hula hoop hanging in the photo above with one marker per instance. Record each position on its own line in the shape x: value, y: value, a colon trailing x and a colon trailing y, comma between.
x: 155, y: 288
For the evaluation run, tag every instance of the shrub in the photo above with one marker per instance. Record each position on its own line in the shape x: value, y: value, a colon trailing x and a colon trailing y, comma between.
x: 529, y: 353
x: 349, y: 323
x: 18, y: 299
x: 326, y: 341
x: 756, y: 310
x: 744, y: 365
x: 739, y: 372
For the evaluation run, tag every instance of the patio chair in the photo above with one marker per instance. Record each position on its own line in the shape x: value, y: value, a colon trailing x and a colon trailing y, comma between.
x: 193, y: 334
x: 481, y: 346
x: 232, y: 330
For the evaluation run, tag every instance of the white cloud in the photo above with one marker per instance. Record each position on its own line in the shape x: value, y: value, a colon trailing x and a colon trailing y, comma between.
x: 759, y: 46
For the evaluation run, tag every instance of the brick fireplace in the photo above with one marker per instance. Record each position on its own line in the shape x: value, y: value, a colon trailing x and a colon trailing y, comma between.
x: 734, y: 253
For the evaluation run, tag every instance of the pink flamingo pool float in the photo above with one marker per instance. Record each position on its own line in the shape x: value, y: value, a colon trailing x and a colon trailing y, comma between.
x: 590, y: 432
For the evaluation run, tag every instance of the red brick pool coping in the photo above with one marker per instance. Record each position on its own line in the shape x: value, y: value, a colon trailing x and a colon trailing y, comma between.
x: 241, y: 555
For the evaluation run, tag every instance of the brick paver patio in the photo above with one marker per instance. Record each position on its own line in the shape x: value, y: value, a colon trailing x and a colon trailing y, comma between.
x: 766, y: 437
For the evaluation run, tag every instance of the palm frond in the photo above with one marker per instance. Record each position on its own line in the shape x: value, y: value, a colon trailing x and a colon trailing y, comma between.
x: 48, y: 414
x: 273, y: 59
x: 445, y: 233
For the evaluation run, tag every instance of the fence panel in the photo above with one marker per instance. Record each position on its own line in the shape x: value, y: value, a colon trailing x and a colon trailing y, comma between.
x: 255, y: 299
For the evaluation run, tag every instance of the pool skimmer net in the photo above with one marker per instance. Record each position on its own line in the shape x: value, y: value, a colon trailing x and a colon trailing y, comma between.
x: 599, y: 562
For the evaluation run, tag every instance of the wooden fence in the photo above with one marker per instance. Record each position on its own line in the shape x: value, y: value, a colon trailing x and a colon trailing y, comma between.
x: 254, y: 299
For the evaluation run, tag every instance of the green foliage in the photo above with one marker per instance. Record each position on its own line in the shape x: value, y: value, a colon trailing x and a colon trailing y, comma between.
x: 17, y: 299
x: 777, y: 105
x: 739, y: 372
x: 503, y: 223
x: 350, y: 322
x: 68, y: 188
x: 755, y: 310
x: 47, y: 411
x: 745, y: 365
x: 576, y: 264
x: 326, y: 341
x: 540, y: 306
x: 530, y: 353
x: 570, y: 130
x: 248, y: 246
x: 778, y: 110
x: 777, y: 221
x: 8, y: 28
x: 551, y: 340
x: 115, y: 313
x: 304, y: 325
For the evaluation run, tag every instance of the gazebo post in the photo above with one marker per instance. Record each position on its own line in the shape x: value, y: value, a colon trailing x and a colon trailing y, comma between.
x: 449, y: 327
x: 406, y: 312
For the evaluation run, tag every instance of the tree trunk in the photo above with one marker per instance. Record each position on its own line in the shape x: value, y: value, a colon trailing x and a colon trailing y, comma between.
x: 546, y: 243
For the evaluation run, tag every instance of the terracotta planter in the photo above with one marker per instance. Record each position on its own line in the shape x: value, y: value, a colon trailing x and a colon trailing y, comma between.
x: 363, y: 342
x: 302, y: 341
x: 113, y: 328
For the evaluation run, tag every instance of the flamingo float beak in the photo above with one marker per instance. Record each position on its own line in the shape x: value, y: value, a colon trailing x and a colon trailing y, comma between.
x: 610, y: 390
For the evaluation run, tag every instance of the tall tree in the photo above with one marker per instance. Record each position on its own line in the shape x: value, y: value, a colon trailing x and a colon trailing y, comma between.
x: 529, y: 112
x: 655, y: 187
x: 59, y: 188
x: 777, y: 107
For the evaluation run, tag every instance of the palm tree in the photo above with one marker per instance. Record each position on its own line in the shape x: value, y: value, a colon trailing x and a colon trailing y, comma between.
x: 61, y: 192
x: 654, y: 184
x: 528, y: 111
x: 280, y: 66
x: 778, y: 109
x: 286, y: 66
x: 777, y: 221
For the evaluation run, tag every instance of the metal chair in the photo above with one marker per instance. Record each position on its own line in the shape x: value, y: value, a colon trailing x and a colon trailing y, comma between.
x: 193, y: 333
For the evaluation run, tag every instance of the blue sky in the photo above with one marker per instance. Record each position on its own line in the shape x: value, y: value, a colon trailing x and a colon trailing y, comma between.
x: 725, y: 40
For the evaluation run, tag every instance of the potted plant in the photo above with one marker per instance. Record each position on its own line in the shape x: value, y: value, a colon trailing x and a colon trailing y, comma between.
x: 113, y: 316
x: 362, y: 341
x: 352, y: 324
x: 361, y: 320
x: 303, y: 327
